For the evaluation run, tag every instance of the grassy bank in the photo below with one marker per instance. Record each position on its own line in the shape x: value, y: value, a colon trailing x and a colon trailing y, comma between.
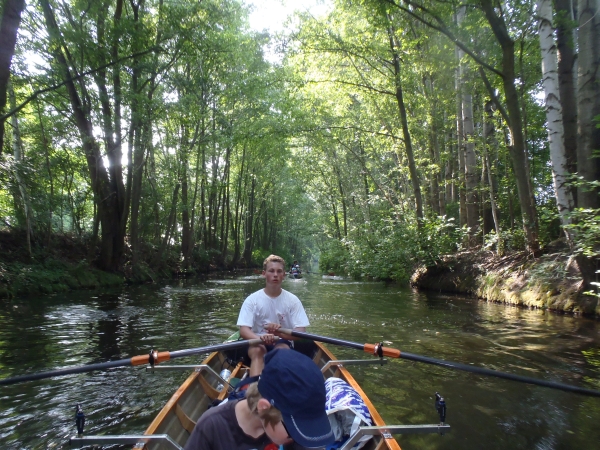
x: 551, y: 281
x: 18, y: 279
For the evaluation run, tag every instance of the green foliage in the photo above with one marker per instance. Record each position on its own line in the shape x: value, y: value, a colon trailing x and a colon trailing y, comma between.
x: 306, y: 159
x: 391, y: 250
x: 333, y: 257
x: 439, y: 236
x: 51, y: 276
x: 259, y: 255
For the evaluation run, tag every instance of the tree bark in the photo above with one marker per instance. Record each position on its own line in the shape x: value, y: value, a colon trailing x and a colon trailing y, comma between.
x: 17, y: 144
x: 554, y: 117
x: 172, y: 219
x: 186, y: 232
x: 412, y: 167
x: 489, y: 139
x: 248, y: 239
x: 517, y: 147
x: 9, y: 28
x: 112, y: 241
x: 433, y: 144
x: 471, y: 172
x: 565, y: 41
x: 460, y: 149
x: 588, y: 101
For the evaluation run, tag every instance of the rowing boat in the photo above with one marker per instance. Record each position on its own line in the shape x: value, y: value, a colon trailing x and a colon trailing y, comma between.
x: 178, y: 417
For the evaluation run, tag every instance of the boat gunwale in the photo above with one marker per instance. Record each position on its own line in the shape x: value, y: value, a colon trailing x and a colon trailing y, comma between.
x: 385, y: 443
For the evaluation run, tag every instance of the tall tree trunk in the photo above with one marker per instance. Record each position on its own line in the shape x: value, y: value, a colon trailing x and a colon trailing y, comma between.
x: 554, y: 118
x: 138, y: 133
x: 171, y: 220
x: 412, y: 167
x: 471, y: 172
x: 50, y: 175
x: 517, y: 146
x: 9, y: 28
x: 118, y: 128
x: 588, y: 101
x: 186, y: 234
x: 113, y: 148
x: 112, y: 242
x: 17, y: 145
x: 238, y: 210
x: 248, y: 239
x: 470, y: 160
x: 226, y: 214
x: 588, y: 108
x: 490, y: 140
x: 460, y: 149
x: 565, y: 41
x: 340, y: 187
x: 434, y: 151
x: 225, y: 202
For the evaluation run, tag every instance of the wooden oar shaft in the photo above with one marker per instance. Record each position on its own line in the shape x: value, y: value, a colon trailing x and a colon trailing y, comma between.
x: 134, y: 361
x: 394, y: 353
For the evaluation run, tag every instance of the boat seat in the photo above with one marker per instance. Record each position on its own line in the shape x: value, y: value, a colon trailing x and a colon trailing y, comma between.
x: 186, y: 422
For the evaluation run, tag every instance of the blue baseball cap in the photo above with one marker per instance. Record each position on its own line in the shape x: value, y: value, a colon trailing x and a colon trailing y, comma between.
x: 294, y: 385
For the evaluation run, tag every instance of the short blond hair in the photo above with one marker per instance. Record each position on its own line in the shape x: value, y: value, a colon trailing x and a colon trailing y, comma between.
x: 273, y: 258
x: 271, y: 416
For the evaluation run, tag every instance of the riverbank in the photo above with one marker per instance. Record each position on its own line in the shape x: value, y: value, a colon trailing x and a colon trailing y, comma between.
x: 66, y: 264
x: 551, y: 281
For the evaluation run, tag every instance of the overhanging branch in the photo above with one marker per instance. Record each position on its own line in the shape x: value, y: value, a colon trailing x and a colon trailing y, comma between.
x: 56, y: 86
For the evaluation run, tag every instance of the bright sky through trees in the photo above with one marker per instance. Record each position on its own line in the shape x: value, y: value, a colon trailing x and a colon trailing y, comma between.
x: 271, y: 14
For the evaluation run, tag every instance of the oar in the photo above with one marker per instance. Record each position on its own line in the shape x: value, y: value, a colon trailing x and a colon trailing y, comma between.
x: 157, y: 357
x: 395, y: 353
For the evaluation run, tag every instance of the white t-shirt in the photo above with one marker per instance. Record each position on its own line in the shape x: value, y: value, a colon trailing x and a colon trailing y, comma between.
x: 259, y: 309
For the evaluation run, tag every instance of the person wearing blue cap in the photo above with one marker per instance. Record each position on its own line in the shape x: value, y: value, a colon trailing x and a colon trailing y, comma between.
x: 286, y: 407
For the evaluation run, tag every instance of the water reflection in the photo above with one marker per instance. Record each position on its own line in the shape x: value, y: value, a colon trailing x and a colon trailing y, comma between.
x: 83, y: 328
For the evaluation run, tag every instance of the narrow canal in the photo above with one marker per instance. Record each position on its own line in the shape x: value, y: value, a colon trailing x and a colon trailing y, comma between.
x: 80, y: 328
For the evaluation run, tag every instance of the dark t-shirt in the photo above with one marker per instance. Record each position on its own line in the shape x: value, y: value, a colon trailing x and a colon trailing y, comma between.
x: 218, y: 429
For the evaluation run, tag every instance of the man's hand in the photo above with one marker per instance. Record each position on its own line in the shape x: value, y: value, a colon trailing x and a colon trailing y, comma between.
x: 272, y: 328
x: 268, y: 339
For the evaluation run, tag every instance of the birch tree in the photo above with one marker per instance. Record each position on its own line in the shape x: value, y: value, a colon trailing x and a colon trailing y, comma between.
x: 554, y: 117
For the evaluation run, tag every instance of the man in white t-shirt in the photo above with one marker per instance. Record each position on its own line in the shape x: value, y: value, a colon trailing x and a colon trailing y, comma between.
x: 267, y: 310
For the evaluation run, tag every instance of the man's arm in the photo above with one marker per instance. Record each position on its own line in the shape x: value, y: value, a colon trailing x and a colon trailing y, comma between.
x: 247, y: 333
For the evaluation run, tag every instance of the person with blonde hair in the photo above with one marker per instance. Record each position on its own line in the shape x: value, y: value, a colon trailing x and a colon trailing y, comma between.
x: 286, y: 407
x: 267, y: 310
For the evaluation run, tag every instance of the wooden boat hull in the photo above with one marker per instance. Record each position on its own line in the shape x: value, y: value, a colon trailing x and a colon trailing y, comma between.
x: 179, y: 415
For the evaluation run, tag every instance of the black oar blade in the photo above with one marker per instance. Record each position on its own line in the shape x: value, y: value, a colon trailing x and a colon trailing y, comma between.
x: 448, y: 364
x: 136, y: 360
x: 66, y: 371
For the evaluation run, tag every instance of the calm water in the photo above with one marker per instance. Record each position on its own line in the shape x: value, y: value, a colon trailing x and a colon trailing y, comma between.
x: 485, y: 413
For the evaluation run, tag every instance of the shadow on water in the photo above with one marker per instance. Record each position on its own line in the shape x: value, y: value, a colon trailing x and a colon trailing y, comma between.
x: 83, y: 328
